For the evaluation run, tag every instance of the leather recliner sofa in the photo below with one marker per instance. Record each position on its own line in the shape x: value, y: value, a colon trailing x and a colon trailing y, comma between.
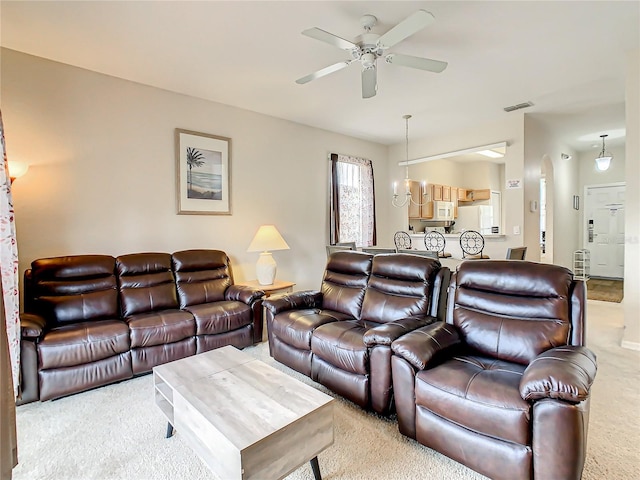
x: 91, y: 320
x: 503, y: 385
x: 341, y: 335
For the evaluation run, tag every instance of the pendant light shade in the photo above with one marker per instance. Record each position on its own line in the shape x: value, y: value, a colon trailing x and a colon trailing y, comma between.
x: 603, y: 162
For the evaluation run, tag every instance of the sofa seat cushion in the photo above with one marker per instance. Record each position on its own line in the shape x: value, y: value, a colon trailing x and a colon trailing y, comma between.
x: 295, y: 327
x: 220, y: 317
x: 84, y: 342
x: 158, y: 328
x: 342, y: 345
x: 480, y: 393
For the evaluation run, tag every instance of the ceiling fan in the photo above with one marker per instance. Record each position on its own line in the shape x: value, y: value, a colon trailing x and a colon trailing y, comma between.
x: 368, y: 47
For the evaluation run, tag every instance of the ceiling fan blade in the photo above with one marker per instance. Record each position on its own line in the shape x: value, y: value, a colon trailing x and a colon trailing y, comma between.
x: 410, y: 25
x: 416, y: 62
x: 369, y: 82
x: 329, y: 38
x: 325, y: 71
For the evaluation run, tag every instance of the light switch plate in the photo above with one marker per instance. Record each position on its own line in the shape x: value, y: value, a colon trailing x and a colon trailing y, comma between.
x: 516, y: 230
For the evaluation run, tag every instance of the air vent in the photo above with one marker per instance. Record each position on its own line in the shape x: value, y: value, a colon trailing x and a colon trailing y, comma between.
x: 518, y: 106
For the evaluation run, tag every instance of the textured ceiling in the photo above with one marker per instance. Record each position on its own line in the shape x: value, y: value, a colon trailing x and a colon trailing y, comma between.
x: 568, y: 58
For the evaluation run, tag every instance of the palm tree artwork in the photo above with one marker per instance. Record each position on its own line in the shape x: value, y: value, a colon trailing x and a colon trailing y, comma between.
x: 204, y: 178
x: 194, y: 159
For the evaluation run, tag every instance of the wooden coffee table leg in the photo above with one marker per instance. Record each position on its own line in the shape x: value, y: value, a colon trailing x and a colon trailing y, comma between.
x: 316, y: 468
x: 169, y: 430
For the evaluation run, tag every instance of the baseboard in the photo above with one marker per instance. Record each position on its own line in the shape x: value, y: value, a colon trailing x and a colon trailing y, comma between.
x: 630, y: 345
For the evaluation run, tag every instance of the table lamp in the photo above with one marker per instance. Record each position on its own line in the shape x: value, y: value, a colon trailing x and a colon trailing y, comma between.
x: 267, y: 238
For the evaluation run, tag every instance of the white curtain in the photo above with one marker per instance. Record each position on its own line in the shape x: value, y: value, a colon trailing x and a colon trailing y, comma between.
x: 9, y: 264
x: 353, y: 201
x: 10, y: 324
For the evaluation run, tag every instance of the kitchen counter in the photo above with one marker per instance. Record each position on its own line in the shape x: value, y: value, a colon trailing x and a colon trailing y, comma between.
x: 494, y: 245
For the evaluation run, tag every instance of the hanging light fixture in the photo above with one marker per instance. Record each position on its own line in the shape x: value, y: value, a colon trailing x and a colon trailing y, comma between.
x: 396, y: 201
x: 603, y: 162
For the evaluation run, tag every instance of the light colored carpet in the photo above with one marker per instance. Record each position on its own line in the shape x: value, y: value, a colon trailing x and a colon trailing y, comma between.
x: 117, y: 432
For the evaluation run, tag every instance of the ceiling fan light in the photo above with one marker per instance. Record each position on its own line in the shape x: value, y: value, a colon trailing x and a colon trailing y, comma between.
x: 603, y: 163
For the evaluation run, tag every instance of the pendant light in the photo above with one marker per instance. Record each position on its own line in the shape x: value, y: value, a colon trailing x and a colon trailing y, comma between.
x: 396, y: 202
x: 603, y: 162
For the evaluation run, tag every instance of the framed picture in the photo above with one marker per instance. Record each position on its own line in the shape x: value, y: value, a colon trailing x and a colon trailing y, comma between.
x: 203, y: 173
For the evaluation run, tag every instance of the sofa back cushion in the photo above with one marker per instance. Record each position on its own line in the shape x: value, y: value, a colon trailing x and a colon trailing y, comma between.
x: 74, y: 288
x: 400, y: 286
x: 345, y: 281
x: 145, y: 283
x: 512, y: 310
x: 202, y: 276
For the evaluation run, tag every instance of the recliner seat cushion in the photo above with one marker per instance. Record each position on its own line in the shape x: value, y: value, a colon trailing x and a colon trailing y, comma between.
x: 295, y: 327
x: 220, y: 317
x: 158, y: 328
x: 341, y: 344
x: 482, y: 394
x: 84, y: 342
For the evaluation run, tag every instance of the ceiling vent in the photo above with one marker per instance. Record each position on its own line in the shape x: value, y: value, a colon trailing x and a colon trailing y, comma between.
x: 518, y: 106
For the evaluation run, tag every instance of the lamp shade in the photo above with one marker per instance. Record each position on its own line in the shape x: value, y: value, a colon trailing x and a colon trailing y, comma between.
x: 267, y: 238
x: 17, y: 169
x: 603, y: 162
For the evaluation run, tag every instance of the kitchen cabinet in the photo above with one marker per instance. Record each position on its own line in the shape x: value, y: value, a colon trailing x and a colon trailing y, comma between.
x: 475, y: 195
x: 417, y: 211
x: 454, y: 199
x: 437, y: 192
x: 446, y: 193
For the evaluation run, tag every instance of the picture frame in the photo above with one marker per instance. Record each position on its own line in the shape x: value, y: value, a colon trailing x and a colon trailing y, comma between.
x: 203, y: 173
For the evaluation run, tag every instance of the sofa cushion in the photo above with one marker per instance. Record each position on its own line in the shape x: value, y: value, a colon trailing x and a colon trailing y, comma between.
x: 220, y: 317
x: 341, y: 344
x: 74, y: 288
x: 83, y: 342
x: 295, y: 327
x: 399, y: 287
x: 344, y: 282
x: 145, y: 283
x: 480, y: 393
x: 202, y: 276
x: 158, y: 328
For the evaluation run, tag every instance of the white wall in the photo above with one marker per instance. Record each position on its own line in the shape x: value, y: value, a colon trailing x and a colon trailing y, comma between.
x: 102, y: 175
x: 562, y: 185
x: 511, y: 129
x: 631, y: 337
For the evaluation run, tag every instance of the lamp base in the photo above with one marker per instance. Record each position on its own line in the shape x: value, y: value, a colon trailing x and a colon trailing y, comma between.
x: 266, y: 269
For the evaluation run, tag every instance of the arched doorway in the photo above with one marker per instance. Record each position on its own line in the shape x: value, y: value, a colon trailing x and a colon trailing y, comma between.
x: 546, y: 209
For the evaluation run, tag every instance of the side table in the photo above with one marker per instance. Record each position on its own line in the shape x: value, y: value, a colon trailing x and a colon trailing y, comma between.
x: 278, y: 286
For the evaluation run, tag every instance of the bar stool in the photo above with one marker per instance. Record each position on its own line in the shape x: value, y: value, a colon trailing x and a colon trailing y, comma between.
x: 472, y: 245
x: 436, y: 242
x: 402, y: 241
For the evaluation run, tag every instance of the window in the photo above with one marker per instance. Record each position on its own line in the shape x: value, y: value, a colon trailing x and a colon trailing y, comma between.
x: 352, y: 208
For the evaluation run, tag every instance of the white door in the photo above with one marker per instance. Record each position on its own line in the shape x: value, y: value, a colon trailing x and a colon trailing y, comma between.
x: 604, y: 230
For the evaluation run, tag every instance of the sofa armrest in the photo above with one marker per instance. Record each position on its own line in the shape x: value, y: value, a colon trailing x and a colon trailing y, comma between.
x: 294, y: 301
x: 386, y: 333
x: 564, y: 373
x: 420, y: 346
x: 243, y: 293
x: 32, y: 326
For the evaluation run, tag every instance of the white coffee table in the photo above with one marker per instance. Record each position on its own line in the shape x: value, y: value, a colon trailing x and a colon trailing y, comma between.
x: 244, y: 419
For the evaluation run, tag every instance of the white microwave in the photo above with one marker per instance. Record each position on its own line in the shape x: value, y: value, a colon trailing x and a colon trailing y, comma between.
x: 443, y: 211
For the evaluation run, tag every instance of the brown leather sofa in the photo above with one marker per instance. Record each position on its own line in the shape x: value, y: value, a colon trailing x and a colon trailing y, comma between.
x: 91, y: 320
x: 503, y: 385
x: 341, y: 335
